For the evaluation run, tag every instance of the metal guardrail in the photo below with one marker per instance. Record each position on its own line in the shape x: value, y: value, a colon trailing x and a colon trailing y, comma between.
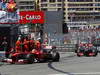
x: 67, y: 48
x: 68, y: 42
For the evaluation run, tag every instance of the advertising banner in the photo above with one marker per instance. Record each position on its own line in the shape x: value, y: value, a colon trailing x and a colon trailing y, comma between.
x: 31, y: 17
x: 8, y: 12
x: 8, y: 18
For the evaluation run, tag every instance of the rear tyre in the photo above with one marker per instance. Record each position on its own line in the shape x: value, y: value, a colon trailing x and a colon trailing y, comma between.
x: 95, y: 54
x: 14, y: 58
x: 78, y: 55
x: 30, y: 58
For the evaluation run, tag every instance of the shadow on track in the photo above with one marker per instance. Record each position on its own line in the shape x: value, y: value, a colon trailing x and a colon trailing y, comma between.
x: 58, y: 70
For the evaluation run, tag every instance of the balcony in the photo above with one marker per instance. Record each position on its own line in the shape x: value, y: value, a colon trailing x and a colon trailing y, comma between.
x: 80, y: 0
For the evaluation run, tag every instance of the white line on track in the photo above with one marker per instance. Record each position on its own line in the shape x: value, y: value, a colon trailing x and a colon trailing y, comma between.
x: 88, y: 73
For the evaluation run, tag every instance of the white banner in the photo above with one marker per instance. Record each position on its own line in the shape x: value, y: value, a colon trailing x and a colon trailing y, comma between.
x: 8, y: 17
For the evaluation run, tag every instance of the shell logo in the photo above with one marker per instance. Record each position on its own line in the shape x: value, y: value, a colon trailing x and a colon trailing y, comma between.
x: 11, y: 7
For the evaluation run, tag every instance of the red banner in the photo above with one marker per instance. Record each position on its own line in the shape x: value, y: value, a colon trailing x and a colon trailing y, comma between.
x: 31, y: 17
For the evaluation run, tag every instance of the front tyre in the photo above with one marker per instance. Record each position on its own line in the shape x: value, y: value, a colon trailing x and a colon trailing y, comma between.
x: 55, y: 56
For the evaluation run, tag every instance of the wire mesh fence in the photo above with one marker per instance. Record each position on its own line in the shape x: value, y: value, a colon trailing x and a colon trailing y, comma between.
x: 68, y: 41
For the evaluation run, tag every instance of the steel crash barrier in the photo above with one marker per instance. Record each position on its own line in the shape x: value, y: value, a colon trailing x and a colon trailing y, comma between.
x: 66, y: 48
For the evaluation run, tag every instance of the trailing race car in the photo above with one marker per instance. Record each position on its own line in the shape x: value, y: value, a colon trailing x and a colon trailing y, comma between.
x: 33, y: 56
x: 87, y: 50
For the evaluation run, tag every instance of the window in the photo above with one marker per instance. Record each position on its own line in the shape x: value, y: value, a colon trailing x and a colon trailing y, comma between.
x: 43, y: 0
x: 59, y: 0
x: 98, y: 4
x: 43, y: 5
x: 22, y: 7
x: 59, y: 9
x: 97, y: 8
x: 32, y: 7
x: 80, y: 0
x: 52, y: 0
x: 59, y: 5
x: 44, y: 9
x: 97, y: 0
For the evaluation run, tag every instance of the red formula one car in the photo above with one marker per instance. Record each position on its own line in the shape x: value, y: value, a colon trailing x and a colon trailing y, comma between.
x: 33, y: 56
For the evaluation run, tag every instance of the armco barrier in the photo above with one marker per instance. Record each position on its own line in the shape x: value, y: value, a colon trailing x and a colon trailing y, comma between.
x: 67, y: 48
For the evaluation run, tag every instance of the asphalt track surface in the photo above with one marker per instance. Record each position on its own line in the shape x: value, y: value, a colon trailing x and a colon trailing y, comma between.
x: 69, y: 64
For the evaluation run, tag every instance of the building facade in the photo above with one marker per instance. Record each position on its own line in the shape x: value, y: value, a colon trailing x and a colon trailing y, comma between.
x: 26, y: 5
x: 50, y: 5
x: 74, y: 10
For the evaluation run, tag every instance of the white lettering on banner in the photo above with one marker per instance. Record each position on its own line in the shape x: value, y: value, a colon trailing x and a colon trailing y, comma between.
x: 31, y: 17
x: 21, y: 17
x: 6, y: 17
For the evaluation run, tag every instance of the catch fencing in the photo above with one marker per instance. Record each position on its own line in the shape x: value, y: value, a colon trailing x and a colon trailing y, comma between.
x: 69, y: 41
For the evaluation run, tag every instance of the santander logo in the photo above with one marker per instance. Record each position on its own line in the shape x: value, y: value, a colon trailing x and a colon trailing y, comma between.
x: 31, y: 17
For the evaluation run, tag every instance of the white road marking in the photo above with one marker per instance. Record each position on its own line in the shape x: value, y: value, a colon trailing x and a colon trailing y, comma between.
x: 88, y: 73
x: 57, y: 74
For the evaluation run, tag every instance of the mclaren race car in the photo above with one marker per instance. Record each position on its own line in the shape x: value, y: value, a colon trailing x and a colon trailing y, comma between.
x: 87, y: 50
